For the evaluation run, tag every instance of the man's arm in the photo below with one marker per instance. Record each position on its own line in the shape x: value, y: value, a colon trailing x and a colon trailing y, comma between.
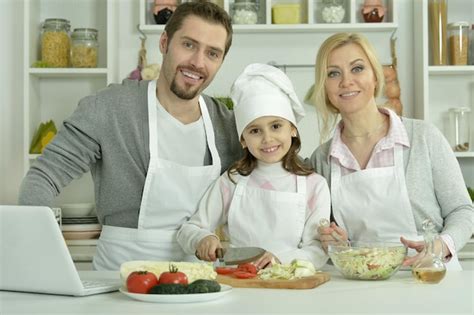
x: 67, y: 157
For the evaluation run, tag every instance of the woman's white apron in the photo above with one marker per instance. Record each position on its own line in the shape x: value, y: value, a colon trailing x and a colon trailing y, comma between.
x: 373, y: 204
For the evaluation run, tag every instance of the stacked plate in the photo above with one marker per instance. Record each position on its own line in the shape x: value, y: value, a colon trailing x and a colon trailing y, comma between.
x: 81, y: 228
x: 79, y: 223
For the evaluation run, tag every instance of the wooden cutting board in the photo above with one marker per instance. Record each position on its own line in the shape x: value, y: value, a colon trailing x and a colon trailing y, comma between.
x: 302, y: 283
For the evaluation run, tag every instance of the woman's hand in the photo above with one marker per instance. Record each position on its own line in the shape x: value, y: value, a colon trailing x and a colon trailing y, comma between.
x: 416, y: 245
x: 419, y: 246
x: 206, y: 249
x: 267, y: 260
x: 332, y: 234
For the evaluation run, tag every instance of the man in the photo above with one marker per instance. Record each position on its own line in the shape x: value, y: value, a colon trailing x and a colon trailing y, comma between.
x: 153, y: 147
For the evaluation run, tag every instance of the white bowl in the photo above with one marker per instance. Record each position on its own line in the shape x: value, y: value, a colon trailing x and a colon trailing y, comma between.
x: 76, y: 209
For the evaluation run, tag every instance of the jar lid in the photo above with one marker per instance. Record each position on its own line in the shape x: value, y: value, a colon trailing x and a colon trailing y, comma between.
x: 458, y: 24
x: 84, y: 32
x: 56, y: 22
x: 460, y: 109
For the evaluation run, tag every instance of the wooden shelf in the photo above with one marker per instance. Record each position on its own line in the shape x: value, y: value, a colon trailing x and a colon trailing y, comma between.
x: 451, y: 70
x: 464, y: 154
x: 68, y: 72
x: 293, y: 28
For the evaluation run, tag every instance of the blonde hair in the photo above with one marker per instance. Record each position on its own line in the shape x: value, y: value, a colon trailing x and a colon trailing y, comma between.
x: 328, y: 114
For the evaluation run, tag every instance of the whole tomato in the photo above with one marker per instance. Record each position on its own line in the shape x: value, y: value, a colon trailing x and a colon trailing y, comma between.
x: 141, y: 282
x: 173, y: 276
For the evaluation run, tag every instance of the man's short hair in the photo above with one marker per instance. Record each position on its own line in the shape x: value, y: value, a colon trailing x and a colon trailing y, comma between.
x: 205, y: 10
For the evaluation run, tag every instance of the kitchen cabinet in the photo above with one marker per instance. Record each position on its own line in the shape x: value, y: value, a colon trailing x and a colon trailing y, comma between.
x: 439, y: 88
x: 310, y: 13
x: 53, y: 93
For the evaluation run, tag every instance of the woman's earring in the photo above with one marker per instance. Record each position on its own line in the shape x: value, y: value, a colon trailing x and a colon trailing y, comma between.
x: 293, y: 135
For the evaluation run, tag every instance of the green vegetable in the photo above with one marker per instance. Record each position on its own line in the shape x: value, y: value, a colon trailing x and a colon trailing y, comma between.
x: 227, y: 101
x: 40, y: 64
x: 169, y: 288
x: 471, y: 192
x: 296, y: 269
x: 204, y: 286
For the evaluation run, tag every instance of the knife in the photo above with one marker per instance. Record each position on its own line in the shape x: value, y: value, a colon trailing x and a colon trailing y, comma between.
x: 239, y: 255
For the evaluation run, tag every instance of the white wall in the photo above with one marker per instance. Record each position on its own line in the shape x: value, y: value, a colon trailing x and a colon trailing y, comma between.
x: 11, y: 107
x: 283, y: 48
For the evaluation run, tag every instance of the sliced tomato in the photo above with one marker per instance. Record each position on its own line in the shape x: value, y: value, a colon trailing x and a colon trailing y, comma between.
x: 244, y: 275
x: 248, y: 267
x: 225, y: 270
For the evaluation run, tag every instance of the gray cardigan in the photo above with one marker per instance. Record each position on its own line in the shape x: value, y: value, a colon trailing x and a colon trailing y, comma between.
x: 434, y: 181
x: 108, y: 135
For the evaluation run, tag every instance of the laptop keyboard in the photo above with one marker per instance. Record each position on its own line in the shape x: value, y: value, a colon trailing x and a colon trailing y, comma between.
x: 92, y: 284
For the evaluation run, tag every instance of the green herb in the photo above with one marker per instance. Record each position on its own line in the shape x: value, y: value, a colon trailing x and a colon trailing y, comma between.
x: 40, y: 64
x: 227, y: 101
x: 471, y: 192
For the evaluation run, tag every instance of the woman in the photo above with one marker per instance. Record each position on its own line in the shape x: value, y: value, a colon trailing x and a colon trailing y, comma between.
x: 387, y: 174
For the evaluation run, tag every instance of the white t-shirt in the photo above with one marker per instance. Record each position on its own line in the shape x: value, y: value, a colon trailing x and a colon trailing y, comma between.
x: 184, y: 144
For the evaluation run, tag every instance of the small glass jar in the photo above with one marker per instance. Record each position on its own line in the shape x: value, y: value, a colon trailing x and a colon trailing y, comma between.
x: 471, y: 45
x: 458, y: 34
x: 461, y: 128
x: 84, y: 48
x: 332, y: 11
x: 438, y: 12
x: 245, y: 12
x: 55, y: 43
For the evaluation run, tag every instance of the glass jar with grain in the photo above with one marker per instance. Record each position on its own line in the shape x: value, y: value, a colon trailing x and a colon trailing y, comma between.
x: 84, y: 48
x: 458, y: 43
x: 55, y: 43
x: 438, y: 11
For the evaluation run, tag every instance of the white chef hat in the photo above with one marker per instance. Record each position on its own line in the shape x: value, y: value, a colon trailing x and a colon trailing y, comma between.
x: 264, y: 90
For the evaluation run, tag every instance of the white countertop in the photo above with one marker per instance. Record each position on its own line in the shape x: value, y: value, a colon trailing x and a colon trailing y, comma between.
x: 400, y: 294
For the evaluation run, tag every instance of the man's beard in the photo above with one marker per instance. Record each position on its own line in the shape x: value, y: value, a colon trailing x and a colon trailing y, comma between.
x: 183, y: 94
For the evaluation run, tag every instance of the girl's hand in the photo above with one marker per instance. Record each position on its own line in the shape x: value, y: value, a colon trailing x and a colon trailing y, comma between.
x: 332, y: 235
x: 267, y: 260
x: 206, y: 249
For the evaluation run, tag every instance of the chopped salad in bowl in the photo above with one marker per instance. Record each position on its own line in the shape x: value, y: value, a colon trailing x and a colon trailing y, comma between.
x: 367, y: 261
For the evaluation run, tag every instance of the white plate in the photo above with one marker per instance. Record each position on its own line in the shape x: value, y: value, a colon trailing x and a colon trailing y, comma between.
x: 178, y: 298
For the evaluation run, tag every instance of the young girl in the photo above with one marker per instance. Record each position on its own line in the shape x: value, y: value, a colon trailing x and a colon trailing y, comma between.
x: 269, y: 198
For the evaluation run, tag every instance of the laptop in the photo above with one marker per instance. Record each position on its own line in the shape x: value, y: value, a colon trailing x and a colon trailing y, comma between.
x: 34, y: 256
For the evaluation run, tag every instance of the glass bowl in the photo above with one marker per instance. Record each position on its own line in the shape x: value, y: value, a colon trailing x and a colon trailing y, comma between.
x: 367, y: 260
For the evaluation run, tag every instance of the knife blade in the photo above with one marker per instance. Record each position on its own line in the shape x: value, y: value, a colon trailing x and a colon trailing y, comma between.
x: 239, y: 255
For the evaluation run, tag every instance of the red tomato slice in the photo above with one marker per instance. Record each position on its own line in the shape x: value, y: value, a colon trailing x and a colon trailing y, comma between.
x: 225, y: 270
x: 248, y: 267
x: 244, y: 275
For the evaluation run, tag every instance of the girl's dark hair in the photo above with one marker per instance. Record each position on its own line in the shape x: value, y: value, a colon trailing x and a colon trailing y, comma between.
x: 205, y: 10
x: 291, y: 162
